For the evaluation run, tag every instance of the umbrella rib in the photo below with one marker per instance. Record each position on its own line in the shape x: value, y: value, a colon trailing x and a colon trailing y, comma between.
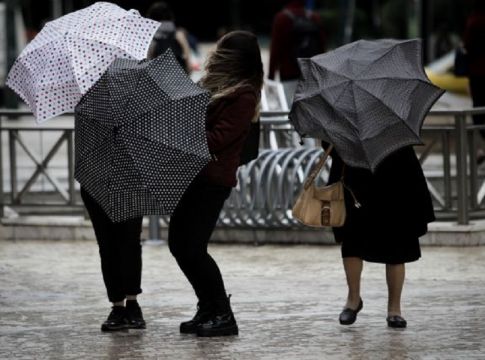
x: 384, y: 54
x: 387, y: 107
x: 358, y: 132
x: 138, y: 171
x: 333, y: 108
x: 127, y: 101
x: 342, y: 114
x: 318, y: 91
x: 424, y: 81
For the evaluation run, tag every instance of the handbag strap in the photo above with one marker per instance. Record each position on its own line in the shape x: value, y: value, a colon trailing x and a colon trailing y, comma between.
x: 316, y: 170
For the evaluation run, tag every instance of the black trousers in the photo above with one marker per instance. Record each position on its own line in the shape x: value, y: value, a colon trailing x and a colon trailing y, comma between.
x: 477, y: 89
x: 120, y: 251
x: 191, y: 226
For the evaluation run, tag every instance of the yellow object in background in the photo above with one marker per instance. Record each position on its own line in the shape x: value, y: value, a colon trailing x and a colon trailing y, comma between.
x: 449, y: 82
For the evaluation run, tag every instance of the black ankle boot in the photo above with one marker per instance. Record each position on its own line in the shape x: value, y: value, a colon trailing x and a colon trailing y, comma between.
x: 221, y: 321
x: 116, y: 320
x: 203, y: 314
x: 134, y: 315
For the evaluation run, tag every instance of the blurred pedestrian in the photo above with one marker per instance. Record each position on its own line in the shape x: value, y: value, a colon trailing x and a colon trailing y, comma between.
x: 395, y: 210
x: 296, y: 32
x: 169, y: 36
x: 474, y: 42
x: 234, y: 78
x: 121, y: 265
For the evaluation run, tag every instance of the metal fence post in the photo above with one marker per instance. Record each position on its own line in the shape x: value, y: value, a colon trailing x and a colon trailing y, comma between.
x: 461, y: 169
x: 154, y: 228
x: 447, y: 170
x: 473, y: 169
x: 1, y: 170
x: 70, y: 166
x: 13, y: 165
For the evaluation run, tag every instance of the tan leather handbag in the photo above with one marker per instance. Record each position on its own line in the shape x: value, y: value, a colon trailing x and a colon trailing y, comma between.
x: 320, y: 206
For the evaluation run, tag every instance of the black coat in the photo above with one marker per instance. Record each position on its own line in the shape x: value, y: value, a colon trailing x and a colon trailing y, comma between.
x: 395, y: 199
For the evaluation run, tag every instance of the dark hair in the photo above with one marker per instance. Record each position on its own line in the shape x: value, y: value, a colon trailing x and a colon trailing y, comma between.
x: 236, y: 62
x: 160, y: 11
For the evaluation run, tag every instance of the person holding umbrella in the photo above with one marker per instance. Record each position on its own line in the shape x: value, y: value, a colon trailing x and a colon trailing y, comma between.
x: 369, y: 99
x: 396, y: 208
x: 132, y: 159
x: 55, y: 74
x: 234, y: 78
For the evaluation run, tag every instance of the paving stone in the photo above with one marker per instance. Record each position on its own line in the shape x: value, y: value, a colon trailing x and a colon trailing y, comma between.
x: 286, y: 300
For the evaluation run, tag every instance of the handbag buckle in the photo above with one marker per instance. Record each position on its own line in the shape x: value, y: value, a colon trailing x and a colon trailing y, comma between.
x: 325, y: 213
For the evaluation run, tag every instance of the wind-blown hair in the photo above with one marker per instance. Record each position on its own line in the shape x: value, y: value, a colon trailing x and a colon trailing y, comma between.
x: 235, y: 63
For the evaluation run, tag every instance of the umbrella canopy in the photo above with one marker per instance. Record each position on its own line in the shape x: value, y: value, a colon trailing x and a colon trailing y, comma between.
x: 140, y: 137
x: 70, y: 53
x: 368, y: 98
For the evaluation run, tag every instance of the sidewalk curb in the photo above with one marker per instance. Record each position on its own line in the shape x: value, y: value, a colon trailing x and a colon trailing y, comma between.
x: 78, y: 228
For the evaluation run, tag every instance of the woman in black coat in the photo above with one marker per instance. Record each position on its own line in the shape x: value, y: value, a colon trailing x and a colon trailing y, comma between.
x: 395, y: 210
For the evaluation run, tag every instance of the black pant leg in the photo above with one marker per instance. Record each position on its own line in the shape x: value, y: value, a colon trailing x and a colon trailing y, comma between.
x: 127, y: 234
x: 191, y: 226
x: 120, y: 262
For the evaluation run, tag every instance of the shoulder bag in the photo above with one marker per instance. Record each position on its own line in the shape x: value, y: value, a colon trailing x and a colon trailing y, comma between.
x: 321, y: 206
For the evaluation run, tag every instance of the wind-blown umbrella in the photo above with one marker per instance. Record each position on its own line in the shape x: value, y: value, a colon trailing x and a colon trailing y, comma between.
x: 140, y: 137
x: 71, y: 53
x: 368, y: 98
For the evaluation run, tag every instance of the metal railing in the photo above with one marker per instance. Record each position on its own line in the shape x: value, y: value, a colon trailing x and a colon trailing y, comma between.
x: 267, y: 186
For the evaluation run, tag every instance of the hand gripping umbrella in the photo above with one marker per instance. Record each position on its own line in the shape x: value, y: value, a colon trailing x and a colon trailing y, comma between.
x: 70, y: 54
x: 140, y: 137
x: 367, y: 98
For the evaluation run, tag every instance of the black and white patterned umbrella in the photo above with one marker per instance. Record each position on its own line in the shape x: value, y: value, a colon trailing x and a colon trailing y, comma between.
x: 368, y: 98
x: 140, y: 137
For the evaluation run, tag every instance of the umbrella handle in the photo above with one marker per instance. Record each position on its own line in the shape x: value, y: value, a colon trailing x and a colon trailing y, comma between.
x: 316, y: 170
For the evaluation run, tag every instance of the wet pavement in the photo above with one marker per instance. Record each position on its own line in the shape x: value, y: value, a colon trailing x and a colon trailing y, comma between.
x: 286, y: 300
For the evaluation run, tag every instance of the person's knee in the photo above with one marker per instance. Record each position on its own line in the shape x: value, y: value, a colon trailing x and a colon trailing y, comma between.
x: 183, y: 253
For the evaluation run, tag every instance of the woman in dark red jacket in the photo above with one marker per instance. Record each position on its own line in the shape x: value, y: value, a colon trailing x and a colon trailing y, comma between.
x: 234, y: 79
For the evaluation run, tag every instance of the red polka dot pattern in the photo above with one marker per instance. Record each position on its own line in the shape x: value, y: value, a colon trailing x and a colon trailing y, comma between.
x: 71, y: 53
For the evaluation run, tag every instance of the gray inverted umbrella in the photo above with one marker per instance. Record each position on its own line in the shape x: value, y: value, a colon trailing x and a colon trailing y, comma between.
x: 140, y: 137
x: 367, y: 98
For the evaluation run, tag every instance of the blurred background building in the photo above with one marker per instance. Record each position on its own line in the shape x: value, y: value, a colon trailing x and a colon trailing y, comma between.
x: 439, y: 23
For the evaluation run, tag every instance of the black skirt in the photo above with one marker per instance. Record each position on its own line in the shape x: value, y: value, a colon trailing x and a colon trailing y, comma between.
x: 395, y: 210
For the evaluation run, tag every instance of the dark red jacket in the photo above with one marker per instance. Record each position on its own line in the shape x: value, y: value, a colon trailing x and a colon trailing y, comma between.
x: 281, y: 56
x: 474, y: 40
x: 227, y: 126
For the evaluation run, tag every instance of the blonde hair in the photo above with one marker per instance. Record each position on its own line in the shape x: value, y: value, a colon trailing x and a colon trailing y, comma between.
x: 234, y: 64
x: 219, y: 79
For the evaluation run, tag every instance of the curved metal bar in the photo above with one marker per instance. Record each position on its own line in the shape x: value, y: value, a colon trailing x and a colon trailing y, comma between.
x: 267, y: 188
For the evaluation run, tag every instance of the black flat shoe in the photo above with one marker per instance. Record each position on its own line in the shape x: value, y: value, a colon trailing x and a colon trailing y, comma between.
x: 116, y: 320
x: 396, y: 321
x: 134, y: 315
x: 348, y: 315
x: 202, y: 315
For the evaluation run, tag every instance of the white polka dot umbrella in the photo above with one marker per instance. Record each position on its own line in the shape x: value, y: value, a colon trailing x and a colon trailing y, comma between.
x: 140, y: 137
x: 70, y: 53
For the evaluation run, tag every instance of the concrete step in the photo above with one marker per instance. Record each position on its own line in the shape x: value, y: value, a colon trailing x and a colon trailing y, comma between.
x: 78, y: 228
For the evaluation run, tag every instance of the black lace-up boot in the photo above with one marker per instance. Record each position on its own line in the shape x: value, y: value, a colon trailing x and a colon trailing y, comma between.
x: 203, y: 314
x: 116, y: 320
x: 134, y: 315
x: 221, y: 321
